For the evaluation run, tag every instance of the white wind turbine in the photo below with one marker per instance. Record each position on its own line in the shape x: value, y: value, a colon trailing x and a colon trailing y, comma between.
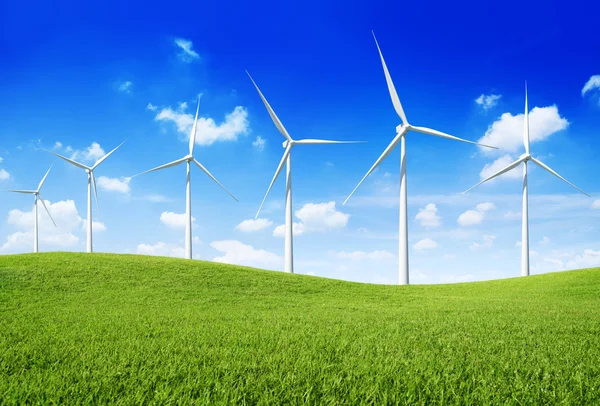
x: 91, y: 181
x: 37, y: 197
x: 525, y: 214
x: 401, y: 131
x: 286, y: 158
x: 188, y: 159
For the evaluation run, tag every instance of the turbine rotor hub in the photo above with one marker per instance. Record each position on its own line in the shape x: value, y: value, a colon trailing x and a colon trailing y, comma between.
x: 286, y: 142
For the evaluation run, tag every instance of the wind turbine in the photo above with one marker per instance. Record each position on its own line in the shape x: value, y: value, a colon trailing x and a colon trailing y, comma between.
x: 401, y: 131
x: 188, y: 159
x: 91, y: 181
x: 525, y: 214
x: 37, y: 197
x: 288, y: 144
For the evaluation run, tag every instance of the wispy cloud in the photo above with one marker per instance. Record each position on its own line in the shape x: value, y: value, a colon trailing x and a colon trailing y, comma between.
x: 151, y: 107
x: 591, y: 84
x: 187, y: 54
x: 488, y: 101
x: 259, y: 143
x: 125, y: 87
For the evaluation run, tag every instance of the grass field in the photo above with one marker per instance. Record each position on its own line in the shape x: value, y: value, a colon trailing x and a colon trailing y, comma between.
x: 125, y: 329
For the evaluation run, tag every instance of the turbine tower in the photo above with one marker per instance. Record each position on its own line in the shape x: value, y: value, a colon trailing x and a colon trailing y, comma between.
x: 401, y: 131
x: 288, y: 144
x: 525, y: 213
x: 188, y: 159
x: 37, y: 197
x: 89, y: 170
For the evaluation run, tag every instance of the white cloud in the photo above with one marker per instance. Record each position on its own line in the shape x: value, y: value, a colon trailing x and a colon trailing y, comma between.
x: 506, y: 133
x: 187, y: 54
x: 90, y: 154
x: 589, y: 259
x: 474, y: 217
x: 425, y: 244
x: 499, y: 164
x: 151, y: 107
x: 428, y: 217
x: 174, y: 220
x: 488, y: 241
x: 544, y: 240
x: 259, y: 143
x: 68, y: 222
x: 457, y: 278
x: 161, y: 249
x: 125, y: 87
x: 4, y: 175
x: 316, y: 217
x: 97, y: 226
x: 596, y: 204
x: 236, y: 252
x: 248, y: 226
x: 57, y: 145
x: 591, y: 84
x: 297, y: 229
x: 488, y: 101
x: 114, y: 184
x: 157, y: 198
x: 208, y: 132
x: 361, y: 255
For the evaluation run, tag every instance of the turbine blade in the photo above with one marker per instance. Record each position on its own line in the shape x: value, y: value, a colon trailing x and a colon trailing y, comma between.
x: 274, y: 117
x: 384, y: 155
x: 193, y: 134
x: 437, y: 133
x: 47, y: 211
x: 391, y: 88
x: 29, y: 192
x: 213, y: 178
x: 311, y: 142
x: 72, y: 162
x: 96, y: 194
x: 177, y: 162
x: 546, y: 167
x: 526, y: 129
x: 500, y: 172
x: 99, y: 161
x: 279, y: 167
x: 44, y: 178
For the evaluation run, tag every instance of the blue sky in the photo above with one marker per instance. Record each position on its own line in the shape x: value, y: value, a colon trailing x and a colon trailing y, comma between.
x: 80, y: 79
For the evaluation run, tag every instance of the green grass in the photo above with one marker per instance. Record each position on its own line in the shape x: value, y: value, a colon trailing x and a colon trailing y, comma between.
x: 123, y: 329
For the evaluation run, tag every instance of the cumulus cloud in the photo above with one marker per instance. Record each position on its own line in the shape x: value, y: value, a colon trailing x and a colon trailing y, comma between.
x: 361, y: 255
x: 499, y: 164
x: 474, y: 217
x: 187, y: 53
x: 236, y: 252
x: 425, y: 244
x: 174, y: 220
x: 97, y: 226
x: 249, y: 226
x: 208, y: 131
x: 488, y: 241
x: 596, y: 204
x: 64, y: 235
x: 488, y: 101
x: 259, y: 143
x: 114, y: 184
x: 428, y: 217
x: 4, y: 175
x: 88, y: 154
x: 316, y: 217
x: 506, y: 132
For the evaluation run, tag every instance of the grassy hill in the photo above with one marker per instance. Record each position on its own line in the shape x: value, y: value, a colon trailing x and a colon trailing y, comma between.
x: 125, y: 329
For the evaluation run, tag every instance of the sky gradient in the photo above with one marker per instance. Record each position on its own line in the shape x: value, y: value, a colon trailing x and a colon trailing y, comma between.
x: 79, y: 79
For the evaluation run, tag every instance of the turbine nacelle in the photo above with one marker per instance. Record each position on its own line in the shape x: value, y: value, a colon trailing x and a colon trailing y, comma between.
x: 525, y: 157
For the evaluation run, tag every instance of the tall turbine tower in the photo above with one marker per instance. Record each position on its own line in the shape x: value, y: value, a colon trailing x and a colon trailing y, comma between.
x: 288, y: 144
x: 37, y: 197
x: 188, y: 159
x: 525, y: 213
x: 401, y: 132
x: 91, y: 181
